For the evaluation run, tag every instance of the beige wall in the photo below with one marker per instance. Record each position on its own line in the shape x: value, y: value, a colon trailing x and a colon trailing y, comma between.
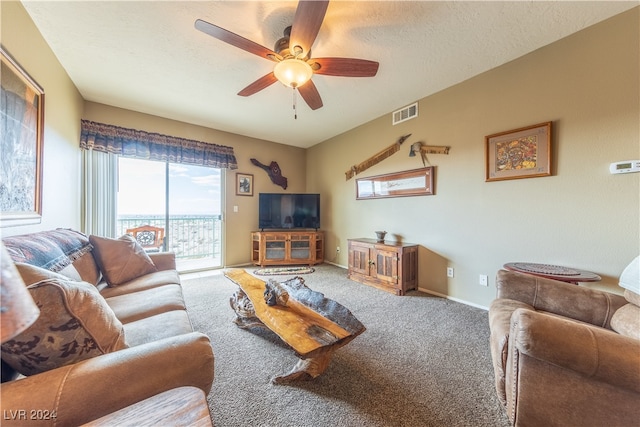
x: 582, y: 216
x: 237, y: 225
x: 63, y: 109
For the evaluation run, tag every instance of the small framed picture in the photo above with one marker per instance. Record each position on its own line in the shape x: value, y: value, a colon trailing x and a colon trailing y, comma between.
x: 519, y: 153
x: 244, y: 184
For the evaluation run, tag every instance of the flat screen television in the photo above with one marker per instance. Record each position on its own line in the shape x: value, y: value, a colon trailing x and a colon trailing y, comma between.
x: 288, y: 211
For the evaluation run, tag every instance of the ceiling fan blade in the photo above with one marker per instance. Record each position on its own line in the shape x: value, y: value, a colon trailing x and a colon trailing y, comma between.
x: 346, y: 67
x: 259, y: 84
x: 236, y: 40
x: 310, y: 94
x: 306, y: 23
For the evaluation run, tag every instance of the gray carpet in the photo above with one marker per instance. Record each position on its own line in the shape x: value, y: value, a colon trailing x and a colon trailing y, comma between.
x: 423, y: 361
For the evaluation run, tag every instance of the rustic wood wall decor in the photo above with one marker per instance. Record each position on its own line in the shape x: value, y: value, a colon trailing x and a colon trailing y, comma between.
x: 424, y: 149
x: 274, y: 172
x: 376, y: 158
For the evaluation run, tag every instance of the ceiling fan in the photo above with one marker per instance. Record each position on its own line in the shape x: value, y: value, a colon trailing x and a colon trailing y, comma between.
x: 292, y: 54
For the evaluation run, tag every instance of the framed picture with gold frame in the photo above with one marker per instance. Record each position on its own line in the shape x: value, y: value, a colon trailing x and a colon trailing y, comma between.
x: 519, y: 153
x: 22, y: 124
x: 244, y: 184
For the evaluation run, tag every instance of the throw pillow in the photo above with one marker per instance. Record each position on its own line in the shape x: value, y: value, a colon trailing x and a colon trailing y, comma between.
x: 121, y: 260
x: 31, y: 274
x: 75, y: 324
x: 625, y: 321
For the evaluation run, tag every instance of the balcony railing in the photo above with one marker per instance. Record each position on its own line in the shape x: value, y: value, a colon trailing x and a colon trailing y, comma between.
x: 189, y: 236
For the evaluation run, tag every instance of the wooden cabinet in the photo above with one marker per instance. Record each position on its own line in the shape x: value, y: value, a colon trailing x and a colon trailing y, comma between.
x: 287, y: 247
x: 390, y: 266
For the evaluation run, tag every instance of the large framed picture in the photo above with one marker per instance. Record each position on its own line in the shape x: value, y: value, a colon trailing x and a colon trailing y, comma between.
x: 244, y: 184
x: 416, y: 182
x: 519, y: 153
x: 22, y: 124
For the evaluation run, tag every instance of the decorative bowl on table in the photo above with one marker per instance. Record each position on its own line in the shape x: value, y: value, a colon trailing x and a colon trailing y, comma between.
x: 380, y: 235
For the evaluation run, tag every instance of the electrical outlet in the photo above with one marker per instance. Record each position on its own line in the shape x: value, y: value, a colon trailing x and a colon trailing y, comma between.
x: 337, y: 249
x: 484, y: 280
x: 449, y: 271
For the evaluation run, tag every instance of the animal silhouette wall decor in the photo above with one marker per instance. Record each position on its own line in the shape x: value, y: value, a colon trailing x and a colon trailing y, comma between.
x: 274, y: 172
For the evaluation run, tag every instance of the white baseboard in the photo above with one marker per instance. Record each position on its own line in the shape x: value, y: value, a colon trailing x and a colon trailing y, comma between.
x: 344, y: 267
x: 248, y: 264
x: 461, y: 301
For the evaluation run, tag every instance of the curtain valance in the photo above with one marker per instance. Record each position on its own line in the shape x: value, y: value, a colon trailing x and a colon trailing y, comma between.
x: 154, y: 146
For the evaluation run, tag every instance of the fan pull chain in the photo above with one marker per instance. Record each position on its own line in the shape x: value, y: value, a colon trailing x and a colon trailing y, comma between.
x: 295, y: 109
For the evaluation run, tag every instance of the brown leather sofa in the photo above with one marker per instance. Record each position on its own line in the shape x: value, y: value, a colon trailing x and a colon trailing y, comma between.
x: 150, y: 348
x: 565, y: 355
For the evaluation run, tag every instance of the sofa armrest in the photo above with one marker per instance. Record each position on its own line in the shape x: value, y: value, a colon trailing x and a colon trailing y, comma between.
x: 163, y: 260
x: 565, y: 299
x: 95, y: 387
x: 500, y: 313
x: 591, y: 351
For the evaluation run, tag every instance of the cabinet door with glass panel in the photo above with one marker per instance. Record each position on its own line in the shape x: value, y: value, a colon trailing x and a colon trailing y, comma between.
x: 275, y: 247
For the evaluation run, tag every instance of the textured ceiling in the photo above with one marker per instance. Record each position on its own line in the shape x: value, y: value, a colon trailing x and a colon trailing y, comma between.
x: 147, y: 56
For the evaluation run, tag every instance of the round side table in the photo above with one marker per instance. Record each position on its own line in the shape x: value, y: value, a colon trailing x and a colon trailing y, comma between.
x: 555, y: 272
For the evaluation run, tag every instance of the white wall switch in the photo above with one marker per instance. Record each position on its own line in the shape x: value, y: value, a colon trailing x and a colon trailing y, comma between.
x: 484, y: 280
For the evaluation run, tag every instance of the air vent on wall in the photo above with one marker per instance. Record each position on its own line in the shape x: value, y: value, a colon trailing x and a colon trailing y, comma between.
x: 404, y: 114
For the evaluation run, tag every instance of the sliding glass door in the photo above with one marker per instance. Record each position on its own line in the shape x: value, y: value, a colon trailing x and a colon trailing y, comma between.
x: 180, y: 204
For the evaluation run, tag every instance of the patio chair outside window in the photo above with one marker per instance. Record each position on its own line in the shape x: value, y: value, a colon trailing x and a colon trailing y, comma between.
x: 149, y: 237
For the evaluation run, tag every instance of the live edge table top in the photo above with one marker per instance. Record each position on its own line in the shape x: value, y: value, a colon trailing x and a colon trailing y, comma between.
x: 305, y: 326
x: 312, y: 325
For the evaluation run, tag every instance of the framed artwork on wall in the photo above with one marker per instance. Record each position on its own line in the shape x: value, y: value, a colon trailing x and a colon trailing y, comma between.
x: 22, y: 124
x: 519, y: 153
x: 244, y: 184
x: 416, y: 182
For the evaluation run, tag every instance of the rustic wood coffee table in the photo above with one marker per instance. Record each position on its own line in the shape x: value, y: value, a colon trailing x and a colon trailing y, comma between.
x: 312, y: 325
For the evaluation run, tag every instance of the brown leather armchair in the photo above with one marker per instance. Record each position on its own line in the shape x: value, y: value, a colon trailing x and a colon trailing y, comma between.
x: 557, y: 359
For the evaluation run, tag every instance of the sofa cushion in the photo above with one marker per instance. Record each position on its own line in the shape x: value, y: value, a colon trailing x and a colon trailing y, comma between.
x: 138, y: 305
x: 75, y: 323
x: 121, y: 260
x: 155, y: 328
x: 626, y: 321
x: 86, y: 268
x: 148, y: 281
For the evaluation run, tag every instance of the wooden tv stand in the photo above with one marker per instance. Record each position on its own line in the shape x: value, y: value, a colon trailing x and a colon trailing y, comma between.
x: 287, y: 247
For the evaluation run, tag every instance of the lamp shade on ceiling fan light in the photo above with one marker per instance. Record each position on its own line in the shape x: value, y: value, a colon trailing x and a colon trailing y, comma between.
x: 293, y: 72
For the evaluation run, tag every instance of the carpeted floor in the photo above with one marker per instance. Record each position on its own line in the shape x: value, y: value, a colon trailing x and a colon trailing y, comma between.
x: 423, y: 361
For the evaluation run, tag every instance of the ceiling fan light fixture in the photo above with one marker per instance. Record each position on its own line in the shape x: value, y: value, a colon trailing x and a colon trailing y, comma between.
x: 293, y: 72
